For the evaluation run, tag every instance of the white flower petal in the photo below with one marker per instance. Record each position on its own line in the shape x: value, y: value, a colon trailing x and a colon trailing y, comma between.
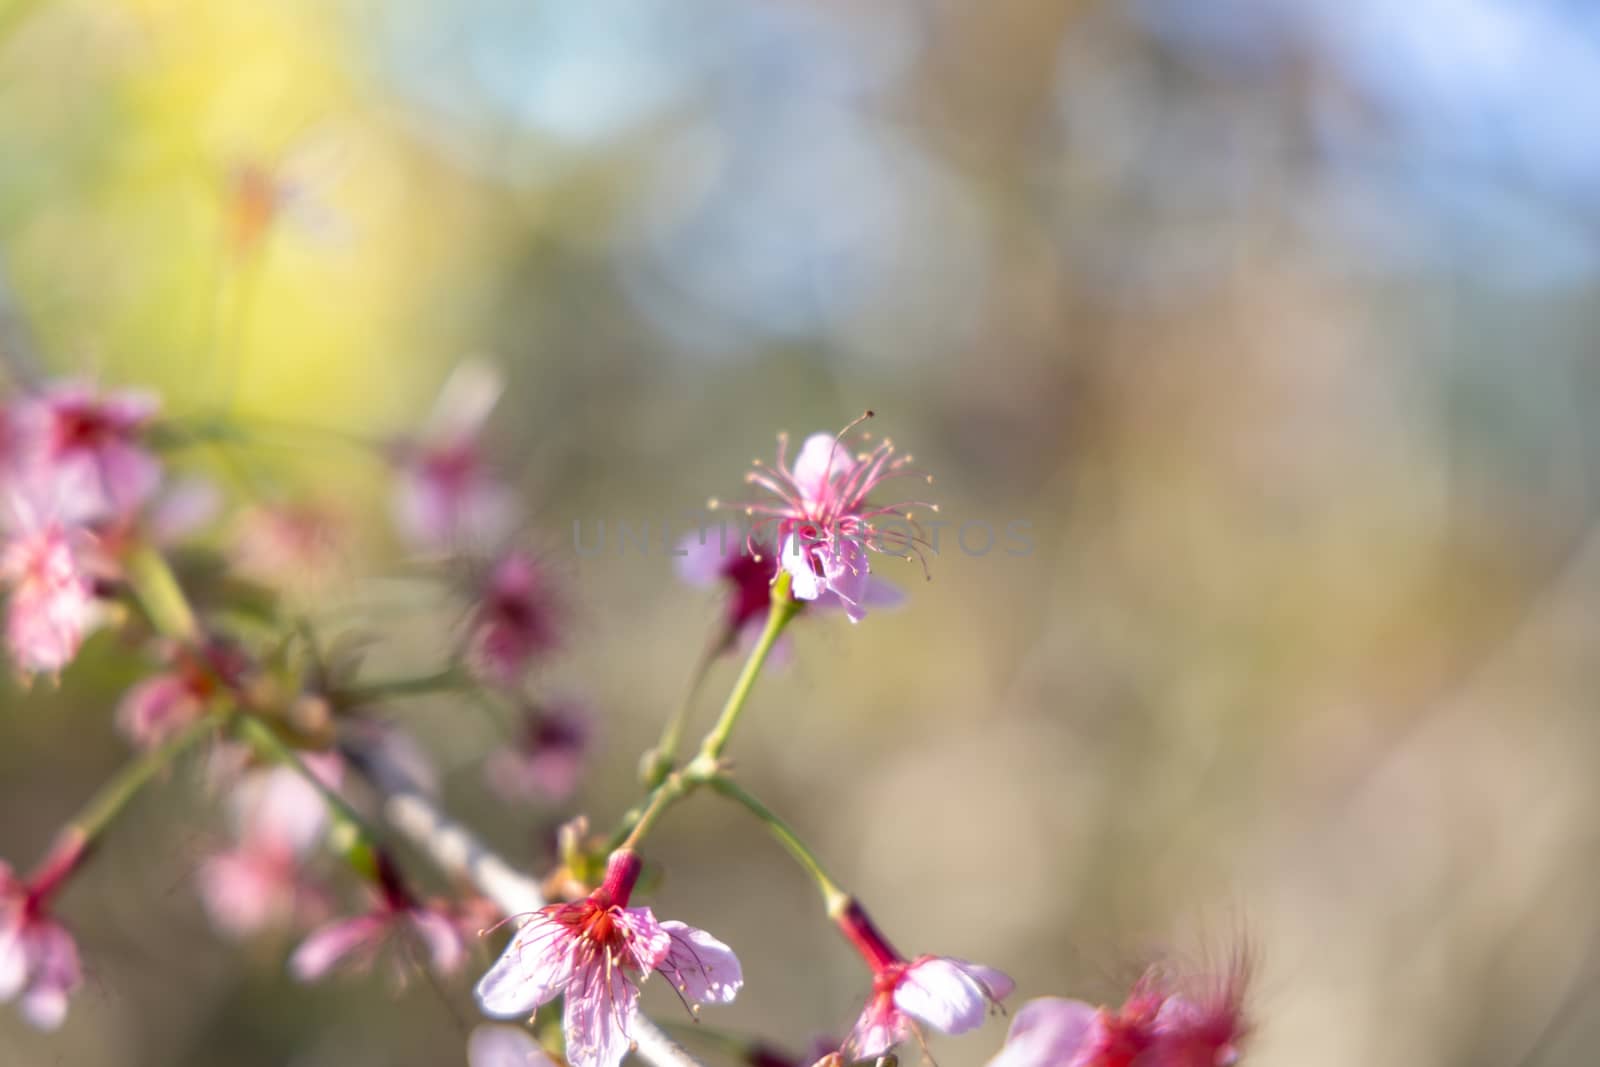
x: 701, y: 967
x: 942, y: 994
x: 535, y: 966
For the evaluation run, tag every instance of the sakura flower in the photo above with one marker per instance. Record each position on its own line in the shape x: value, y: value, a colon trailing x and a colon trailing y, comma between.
x: 950, y: 995
x: 397, y: 922
x: 52, y: 596
x: 447, y: 497
x: 706, y: 559
x: 259, y: 883
x: 38, y: 957
x: 83, y: 453
x: 504, y: 1046
x: 164, y: 703
x: 747, y: 569
x: 822, y: 521
x: 544, y: 762
x: 514, y: 621
x: 595, y: 951
x: 1163, y: 1023
x: 295, y: 544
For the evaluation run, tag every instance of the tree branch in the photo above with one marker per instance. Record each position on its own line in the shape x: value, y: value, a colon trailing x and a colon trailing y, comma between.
x: 457, y: 850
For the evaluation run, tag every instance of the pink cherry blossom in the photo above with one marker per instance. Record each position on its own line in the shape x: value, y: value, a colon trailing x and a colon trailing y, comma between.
x: 823, y: 523
x: 544, y: 762
x: 595, y: 951
x: 950, y: 995
x: 52, y: 602
x: 260, y: 882
x: 397, y: 923
x: 515, y: 619
x: 710, y: 558
x: 1163, y: 1023
x: 446, y: 497
x: 38, y: 958
x: 164, y: 703
x: 84, y: 454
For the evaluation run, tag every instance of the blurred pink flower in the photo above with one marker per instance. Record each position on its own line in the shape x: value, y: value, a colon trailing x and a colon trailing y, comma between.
x: 823, y: 523
x: 950, y: 995
x: 83, y: 455
x: 447, y: 498
x: 52, y: 595
x: 156, y: 708
x: 745, y: 569
x: 544, y: 762
x: 38, y: 957
x: 260, y: 882
x: 398, y: 923
x: 504, y: 1046
x: 595, y: 951
x: 1163, y: 1023
x: 514, y: 621
x: 298, y: 544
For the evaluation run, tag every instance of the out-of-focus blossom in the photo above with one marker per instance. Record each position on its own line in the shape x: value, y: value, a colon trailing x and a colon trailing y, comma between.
x: 823, y: 522
x: 38, y: 957
x: 746, y: 569
x: 950, y: 995
x: 1163, y: 1023
x: 504, y: 1046
x: 447, y: 497
x: 259, y: 195
x: 81, y: 455
x: 260, y: 883
x: 295, y: 543
x: 413, y: 933
x: 514, y: 621
x: 595, y: 951
x: 52, y: 602
x: 544, y: 761
x: 156, y: 708
x: 710, y: 558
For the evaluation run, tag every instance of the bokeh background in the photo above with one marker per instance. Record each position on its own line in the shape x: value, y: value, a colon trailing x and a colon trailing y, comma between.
x: 1274, y: 318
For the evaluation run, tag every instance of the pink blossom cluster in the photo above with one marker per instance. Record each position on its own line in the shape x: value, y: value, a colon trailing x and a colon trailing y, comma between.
x: 293, y: 722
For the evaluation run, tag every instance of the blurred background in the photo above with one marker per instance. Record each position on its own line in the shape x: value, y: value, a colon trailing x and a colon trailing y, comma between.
x: 1273, y: 318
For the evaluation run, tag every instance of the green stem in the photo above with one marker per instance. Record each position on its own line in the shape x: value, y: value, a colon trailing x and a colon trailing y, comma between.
x: 448, y: 678
x: 784, y: 609
x: 833, y: 897
x: 108, y: 803
x: 157, y: 590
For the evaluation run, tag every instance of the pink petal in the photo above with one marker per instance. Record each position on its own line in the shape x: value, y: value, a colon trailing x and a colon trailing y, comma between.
x: 325, y: 948
x: 600, y: 1007
x: 446, y: 951
x: 1048, y: 1032
x: 56, y: 975
x: 943, y: 994
x: 702, y: 560
x: 238, y: 894
x: 504, y: 1046
x: 880, y: 1028
x: 13, y: 959
x: 154, y: 708
x: 650, y: 942
x: 535, y: 966
x: 701, y: 967
x: 822, y: 459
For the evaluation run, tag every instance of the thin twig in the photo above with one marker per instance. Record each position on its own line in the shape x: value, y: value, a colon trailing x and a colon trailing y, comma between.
x: 458, y: 851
